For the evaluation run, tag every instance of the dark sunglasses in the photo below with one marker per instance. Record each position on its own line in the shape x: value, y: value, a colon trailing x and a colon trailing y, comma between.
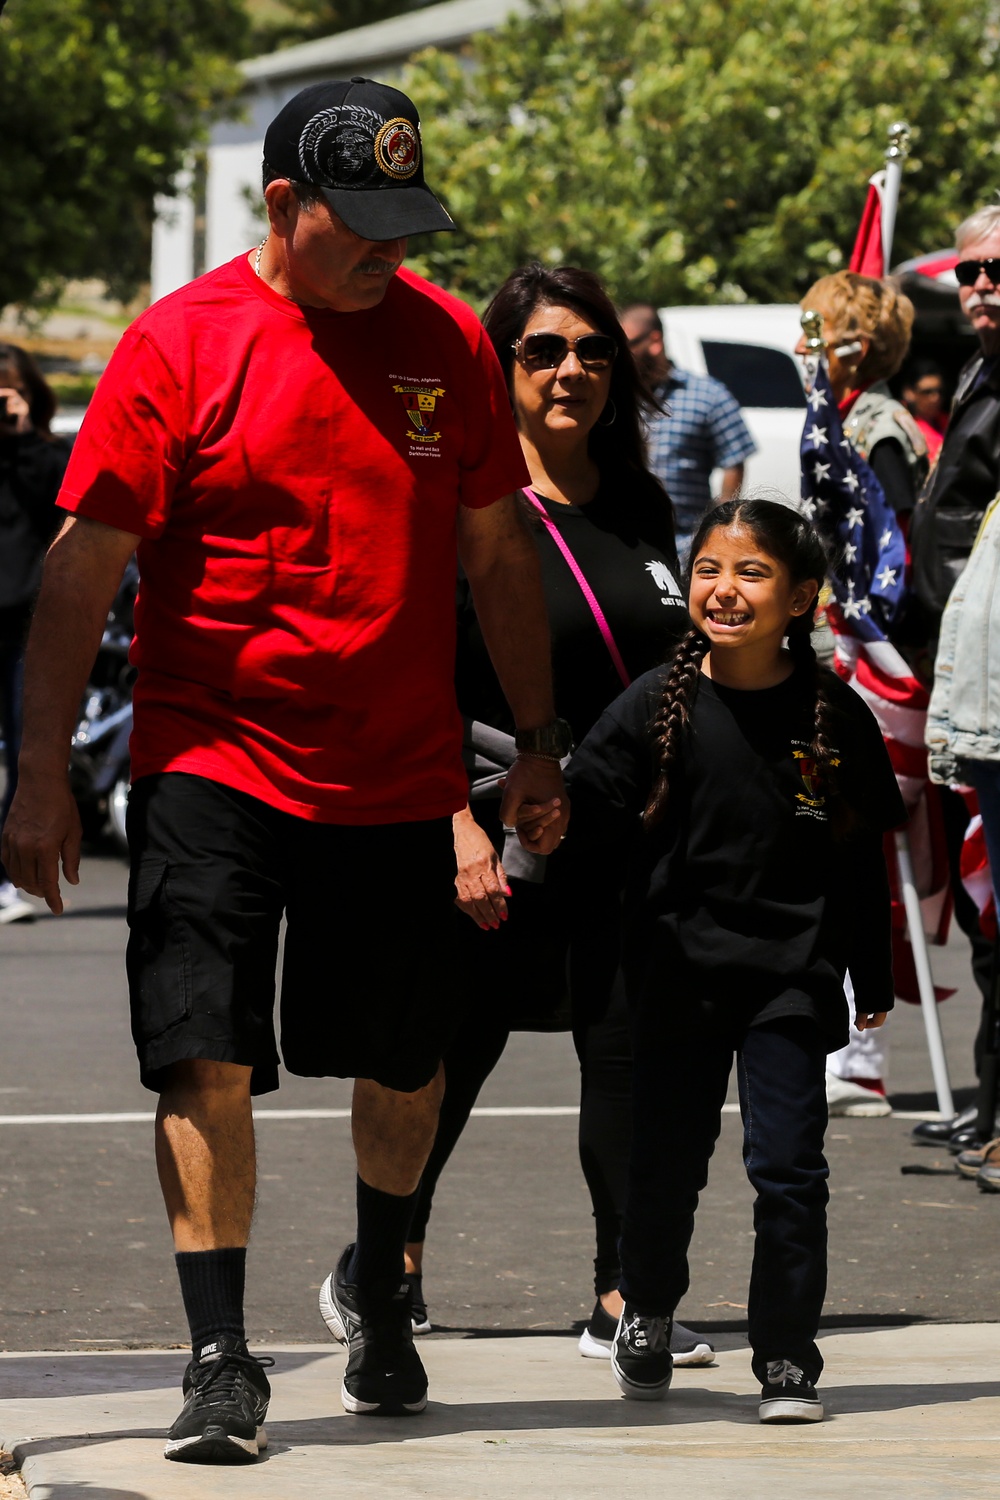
x: 546, y: 351
x: 967, y: 271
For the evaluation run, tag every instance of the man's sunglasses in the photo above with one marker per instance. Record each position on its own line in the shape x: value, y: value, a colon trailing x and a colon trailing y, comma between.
x: 967, y: 271
x: 546, y: 351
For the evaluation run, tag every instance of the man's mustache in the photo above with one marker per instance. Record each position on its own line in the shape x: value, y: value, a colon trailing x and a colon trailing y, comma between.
x: 382, y: 267
x: 983, y: 299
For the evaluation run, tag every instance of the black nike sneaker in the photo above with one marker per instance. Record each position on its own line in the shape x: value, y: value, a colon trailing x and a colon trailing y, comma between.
x: 225, y: 1402
x: 384, y: 1373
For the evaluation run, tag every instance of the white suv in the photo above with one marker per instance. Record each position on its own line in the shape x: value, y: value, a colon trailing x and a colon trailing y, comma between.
x: 749, y: 348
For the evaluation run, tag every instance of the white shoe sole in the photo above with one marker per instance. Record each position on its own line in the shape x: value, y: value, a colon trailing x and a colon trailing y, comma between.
x: 592, y: 1348
x: 701, y: 1354
x: 366, y: 1408
x: 253, y: 1445
x: 781, y: 1409
x: 633, y: 1392
x: 877, y: 1108
x: 328, y: 1311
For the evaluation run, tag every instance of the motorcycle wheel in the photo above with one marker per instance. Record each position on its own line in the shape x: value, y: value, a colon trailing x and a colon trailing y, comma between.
x: 117, y: 803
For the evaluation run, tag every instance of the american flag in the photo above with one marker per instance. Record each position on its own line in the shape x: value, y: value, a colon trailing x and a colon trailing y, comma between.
x: 842, y: 496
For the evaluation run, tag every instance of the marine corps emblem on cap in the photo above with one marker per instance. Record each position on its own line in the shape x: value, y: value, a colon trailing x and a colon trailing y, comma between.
x: 358, y: 141
x: 397, y: 148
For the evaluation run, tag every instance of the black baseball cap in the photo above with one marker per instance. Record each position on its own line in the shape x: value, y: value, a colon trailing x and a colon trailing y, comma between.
x: 359, y: 142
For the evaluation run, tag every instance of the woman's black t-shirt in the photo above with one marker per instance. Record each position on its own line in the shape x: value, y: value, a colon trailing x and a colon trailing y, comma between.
x: 626, y: 554
x: 740, y: 899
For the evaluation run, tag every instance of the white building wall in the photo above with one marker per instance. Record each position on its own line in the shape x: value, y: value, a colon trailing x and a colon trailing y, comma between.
x: 173, y: 241
x: 234, y: 210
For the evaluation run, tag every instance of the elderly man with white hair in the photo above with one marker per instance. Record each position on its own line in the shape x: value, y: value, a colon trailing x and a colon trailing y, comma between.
x: 945, y: 525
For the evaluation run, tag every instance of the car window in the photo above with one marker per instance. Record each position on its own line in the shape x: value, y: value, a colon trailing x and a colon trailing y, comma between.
x: 756, y: 376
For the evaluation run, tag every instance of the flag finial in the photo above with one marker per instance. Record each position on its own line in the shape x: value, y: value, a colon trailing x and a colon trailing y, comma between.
x: 812, y: 327
x: 899, y: 141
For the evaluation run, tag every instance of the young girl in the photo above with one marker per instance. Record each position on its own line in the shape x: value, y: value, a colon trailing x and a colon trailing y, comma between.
x: 747, y: 790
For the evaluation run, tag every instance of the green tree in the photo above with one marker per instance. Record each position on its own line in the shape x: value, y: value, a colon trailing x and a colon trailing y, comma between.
x: 100, y: 100
x: 704, y: 150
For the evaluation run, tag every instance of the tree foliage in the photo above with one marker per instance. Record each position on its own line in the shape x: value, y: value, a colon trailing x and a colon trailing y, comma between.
x: 99, y: 102
x: 704, y: 150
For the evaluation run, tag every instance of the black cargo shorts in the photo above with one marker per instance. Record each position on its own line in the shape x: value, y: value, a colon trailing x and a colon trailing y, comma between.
x: 367, y: 976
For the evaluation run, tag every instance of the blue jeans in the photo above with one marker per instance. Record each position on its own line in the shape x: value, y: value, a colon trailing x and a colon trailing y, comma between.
x: 682, y: 1066
x: 984, y: 775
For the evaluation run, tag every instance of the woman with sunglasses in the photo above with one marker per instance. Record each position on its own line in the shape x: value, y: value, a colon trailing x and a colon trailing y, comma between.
x: 603, y: 526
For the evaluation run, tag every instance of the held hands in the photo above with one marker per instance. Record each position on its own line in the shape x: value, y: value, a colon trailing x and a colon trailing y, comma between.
x: 871, y: 1021
x: 42, y: 828
x: 481, y: 883
x: 535, y: 803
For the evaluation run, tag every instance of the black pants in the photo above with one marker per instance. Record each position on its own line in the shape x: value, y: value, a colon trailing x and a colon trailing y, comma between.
x: 604, y: 1051
x: 682, y: 1069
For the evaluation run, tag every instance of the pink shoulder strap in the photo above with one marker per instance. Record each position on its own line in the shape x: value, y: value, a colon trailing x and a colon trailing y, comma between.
x: 585, y: 588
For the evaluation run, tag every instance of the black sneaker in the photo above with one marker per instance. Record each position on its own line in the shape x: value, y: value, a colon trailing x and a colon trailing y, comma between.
x: 384, y: 1373
x: 419, y: 1318
x: 640, y: 1356
x: 226, y: 1394
x: 686, y: 1346
x: 787, y: 1396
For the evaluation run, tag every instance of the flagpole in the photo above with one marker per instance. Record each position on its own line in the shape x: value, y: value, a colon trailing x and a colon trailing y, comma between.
x: 925, y: 980
x: 895, y: 156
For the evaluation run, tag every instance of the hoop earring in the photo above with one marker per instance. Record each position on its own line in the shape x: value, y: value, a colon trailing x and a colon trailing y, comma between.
x: 614, y: 413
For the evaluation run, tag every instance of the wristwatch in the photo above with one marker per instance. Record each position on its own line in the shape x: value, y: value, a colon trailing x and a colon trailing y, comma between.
x: 553, y: 741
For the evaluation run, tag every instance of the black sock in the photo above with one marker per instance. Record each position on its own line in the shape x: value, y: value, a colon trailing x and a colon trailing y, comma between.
x: 212, y: 1288
x: 383, y: 1224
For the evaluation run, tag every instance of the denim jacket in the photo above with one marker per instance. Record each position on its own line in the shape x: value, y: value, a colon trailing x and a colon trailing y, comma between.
x: 963, y: 721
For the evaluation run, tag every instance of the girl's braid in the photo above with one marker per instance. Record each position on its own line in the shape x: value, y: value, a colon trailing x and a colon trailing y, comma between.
x: 672, y: 718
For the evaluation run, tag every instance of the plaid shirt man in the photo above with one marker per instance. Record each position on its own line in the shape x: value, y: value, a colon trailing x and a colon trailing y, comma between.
x: 702, y: 430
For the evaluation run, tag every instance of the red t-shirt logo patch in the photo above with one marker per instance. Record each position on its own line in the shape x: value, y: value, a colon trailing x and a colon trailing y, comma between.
x: 419, y: 403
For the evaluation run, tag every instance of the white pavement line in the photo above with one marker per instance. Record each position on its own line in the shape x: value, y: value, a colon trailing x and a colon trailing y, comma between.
x: 489, y: 1112
x: 140, y: 1118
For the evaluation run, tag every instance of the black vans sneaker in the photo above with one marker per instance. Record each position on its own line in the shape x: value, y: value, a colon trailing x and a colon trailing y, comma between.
x: 787, y: 1396
x: 384, y: 1373
x: 640, y: 1356
x: 686, y: 1346
x: 226, y: 1394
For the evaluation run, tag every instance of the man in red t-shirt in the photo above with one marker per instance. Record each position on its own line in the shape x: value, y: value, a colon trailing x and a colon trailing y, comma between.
x: 293, y: 443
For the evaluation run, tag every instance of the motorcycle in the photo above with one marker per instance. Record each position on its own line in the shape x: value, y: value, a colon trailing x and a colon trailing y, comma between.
x: 99, y: 756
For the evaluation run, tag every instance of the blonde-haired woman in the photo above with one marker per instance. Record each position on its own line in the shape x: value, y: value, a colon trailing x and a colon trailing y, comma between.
x: 867, y: 326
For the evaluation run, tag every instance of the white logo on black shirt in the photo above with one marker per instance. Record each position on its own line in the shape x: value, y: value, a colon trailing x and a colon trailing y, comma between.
x: 665, y: 580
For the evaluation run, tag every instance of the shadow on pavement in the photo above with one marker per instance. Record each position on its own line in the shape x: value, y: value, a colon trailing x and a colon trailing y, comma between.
x: 682, y: 1408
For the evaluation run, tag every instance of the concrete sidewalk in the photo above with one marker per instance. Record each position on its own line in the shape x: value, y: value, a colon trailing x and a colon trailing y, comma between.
x: 913, y: 1414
